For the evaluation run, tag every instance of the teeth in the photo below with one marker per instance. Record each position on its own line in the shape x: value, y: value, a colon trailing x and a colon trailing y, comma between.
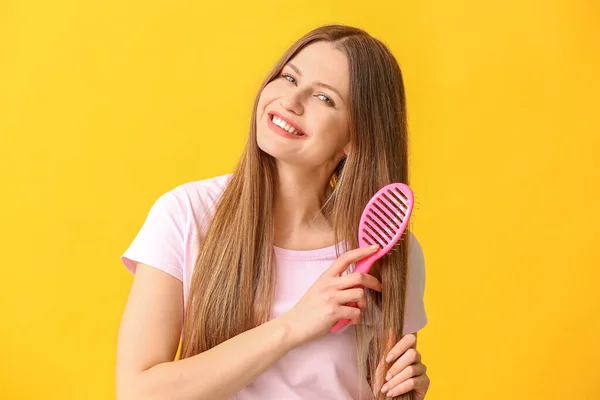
x: 282, y: 124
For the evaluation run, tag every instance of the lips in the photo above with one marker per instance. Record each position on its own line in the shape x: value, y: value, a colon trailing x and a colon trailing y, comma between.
x: 282, y: 132
x: 287, y: 121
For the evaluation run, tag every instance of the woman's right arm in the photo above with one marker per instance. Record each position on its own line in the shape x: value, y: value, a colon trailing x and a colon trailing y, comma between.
x: 151, y: 327
x: 149, y: 337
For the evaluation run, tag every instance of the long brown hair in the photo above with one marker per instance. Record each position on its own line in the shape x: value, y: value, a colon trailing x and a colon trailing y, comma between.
x: 234, y: 294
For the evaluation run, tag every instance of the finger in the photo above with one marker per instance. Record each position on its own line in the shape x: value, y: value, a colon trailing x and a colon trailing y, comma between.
x: 407, y: 373
x: 407, y: 342
x: 408, y: 385
x: 406, y: 360
x: 358, y: 279
x: 349, y: 295
x: 343, y: 262
x: 362, y: 302
x: 351, y: 313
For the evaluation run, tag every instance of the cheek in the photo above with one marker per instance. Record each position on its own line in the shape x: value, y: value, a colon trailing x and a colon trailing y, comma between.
x: 267, y: 96
x: 260, y: 108
x: 333, y: 129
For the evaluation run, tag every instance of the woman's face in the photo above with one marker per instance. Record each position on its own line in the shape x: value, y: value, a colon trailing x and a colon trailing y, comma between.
x: 310, y: 95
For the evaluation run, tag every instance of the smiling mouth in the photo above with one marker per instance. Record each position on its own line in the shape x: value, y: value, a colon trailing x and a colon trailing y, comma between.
x: 285, y: 126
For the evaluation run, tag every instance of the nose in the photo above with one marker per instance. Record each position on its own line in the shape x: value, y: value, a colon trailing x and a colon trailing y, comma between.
x: 292, y: 103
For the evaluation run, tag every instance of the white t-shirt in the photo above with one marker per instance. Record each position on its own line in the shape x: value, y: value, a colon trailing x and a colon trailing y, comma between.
x: 322, y: 369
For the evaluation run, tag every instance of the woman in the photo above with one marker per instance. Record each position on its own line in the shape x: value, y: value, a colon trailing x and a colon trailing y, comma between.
x: 246, y: 268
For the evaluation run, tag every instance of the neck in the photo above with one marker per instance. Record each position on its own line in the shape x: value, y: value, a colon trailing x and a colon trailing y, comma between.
x: 299, y: 196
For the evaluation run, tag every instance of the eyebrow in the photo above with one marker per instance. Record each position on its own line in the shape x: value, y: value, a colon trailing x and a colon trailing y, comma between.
x: 318, y: 83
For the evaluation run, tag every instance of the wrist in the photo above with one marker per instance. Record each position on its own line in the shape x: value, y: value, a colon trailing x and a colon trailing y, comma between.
x: 290, y: 333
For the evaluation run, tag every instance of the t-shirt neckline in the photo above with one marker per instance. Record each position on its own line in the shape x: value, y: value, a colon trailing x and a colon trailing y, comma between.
x: 324, y: 252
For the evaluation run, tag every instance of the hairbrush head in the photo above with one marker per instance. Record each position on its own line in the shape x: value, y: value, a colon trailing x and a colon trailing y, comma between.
x: 385, y: 218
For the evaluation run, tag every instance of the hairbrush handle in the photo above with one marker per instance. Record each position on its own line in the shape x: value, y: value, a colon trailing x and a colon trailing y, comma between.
x: 364, y: 266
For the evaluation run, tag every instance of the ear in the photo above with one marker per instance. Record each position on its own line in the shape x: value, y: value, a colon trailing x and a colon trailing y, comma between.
x: 347, y: 148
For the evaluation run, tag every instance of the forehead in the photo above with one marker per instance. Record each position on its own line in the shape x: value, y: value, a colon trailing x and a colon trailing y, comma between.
x: 320, y: 61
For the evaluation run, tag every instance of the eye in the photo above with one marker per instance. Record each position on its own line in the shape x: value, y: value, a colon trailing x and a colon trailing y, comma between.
x: 289, y: 78
x: 325, y: 99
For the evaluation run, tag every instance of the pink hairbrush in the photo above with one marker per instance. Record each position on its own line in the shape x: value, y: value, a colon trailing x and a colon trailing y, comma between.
x: 383, y: 222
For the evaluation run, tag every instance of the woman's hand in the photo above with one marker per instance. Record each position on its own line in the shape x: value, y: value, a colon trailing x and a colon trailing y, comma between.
x: 407, y: 371
x: 324, y: 303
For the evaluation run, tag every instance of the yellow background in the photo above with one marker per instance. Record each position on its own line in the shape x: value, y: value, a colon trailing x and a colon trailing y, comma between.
x: 106, y: 105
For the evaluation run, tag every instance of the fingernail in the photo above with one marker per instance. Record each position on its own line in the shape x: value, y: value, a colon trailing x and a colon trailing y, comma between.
x: 373, y: 247
x: 384, y: 389
x: 390, y: 394
x: 390, y: 357
x: 388, y: 377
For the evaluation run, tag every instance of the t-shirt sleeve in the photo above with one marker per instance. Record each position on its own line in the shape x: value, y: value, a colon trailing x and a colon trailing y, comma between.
x: 160, y: 241
x: 415, y: 317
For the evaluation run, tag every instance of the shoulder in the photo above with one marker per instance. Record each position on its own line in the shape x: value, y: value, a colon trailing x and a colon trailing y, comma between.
x: 416, y: 266
x: 415, y: 251
x: 197, y: 199
x: 204, y: 190
x: 192, y: 195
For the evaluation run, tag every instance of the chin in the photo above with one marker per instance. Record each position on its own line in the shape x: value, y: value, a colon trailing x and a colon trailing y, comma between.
x: 276, y: 150
x: 269, y: 146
